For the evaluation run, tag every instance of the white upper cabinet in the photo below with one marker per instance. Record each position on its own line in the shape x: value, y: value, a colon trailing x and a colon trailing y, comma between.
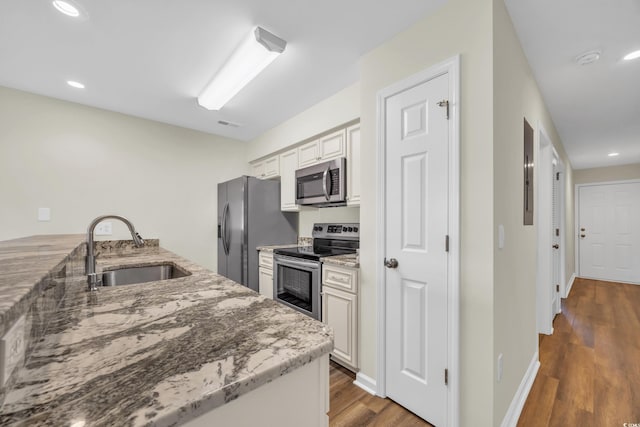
x: 267, y: 168
x: 288, y: 166
x: 353, y: 165
x: 322, y: 149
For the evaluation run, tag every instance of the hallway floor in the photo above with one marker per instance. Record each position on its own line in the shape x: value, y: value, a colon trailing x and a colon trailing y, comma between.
x: 590, y: 367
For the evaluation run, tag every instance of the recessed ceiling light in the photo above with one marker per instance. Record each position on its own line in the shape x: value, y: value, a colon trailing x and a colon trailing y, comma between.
x: 588, y: 57
x: 632, y: 55
x: 75, y: 84
x: 613, y: 154
x: 66, y: 8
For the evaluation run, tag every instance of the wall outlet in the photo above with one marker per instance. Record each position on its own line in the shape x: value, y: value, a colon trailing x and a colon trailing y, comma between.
x: 12, y: 349
x: 500, y: 367
x: 44, y: 214
x: 104, y: 229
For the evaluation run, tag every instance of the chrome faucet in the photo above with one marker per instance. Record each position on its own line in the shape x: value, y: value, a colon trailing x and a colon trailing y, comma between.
x: 90, y: 266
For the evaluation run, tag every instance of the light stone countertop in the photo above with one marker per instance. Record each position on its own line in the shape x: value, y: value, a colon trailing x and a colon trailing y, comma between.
x: 159, y: 353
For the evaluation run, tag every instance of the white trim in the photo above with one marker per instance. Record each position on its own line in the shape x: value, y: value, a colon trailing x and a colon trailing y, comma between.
x: 366, y: 383
x: 515, y: 409
x: 576, y: 219
x: 570, y: 284
x: 452, y: 68
x: 543, y: 206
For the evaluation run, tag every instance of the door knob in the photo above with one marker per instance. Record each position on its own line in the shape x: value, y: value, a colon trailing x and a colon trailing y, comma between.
x: 391, y: 263
x: 583, y: 235
x: 556, y: 246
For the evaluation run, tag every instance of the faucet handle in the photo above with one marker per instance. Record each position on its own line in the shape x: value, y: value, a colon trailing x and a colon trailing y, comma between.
x: 140, y: 240
x: 93, y: 281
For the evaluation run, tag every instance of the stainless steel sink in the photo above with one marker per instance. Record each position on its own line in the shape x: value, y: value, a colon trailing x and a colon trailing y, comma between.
x: 149, y: 273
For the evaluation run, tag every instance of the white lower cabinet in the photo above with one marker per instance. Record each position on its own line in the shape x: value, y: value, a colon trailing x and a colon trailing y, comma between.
x: 265, y: 274
x: 340, y: 312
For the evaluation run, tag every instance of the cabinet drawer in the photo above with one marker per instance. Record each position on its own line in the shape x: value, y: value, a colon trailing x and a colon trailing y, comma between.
x: 265, y: 260
x: 340, y: 278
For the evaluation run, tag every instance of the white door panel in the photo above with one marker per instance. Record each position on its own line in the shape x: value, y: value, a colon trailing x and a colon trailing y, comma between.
x: 609, y: 232
x: 416, y: 228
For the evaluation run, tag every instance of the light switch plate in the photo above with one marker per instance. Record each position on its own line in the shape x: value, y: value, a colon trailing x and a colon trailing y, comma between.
x: 500, y: 367
x: 44, y: 214
x: 12, y: 349
x: 500, y: 236
x: 104, y: 229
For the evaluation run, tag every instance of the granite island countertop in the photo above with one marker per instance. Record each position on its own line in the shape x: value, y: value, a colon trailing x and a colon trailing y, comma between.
x: 158, y: 353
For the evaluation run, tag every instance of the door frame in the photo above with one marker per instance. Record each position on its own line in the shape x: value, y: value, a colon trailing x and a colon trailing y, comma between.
x: 452, y: 68
x: 544, y: 156
x: 576, y: 218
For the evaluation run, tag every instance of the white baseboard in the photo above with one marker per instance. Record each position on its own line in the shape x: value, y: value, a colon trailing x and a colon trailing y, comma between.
x: 366, y: 383
x: 513, y: 413
x: 570, y: 284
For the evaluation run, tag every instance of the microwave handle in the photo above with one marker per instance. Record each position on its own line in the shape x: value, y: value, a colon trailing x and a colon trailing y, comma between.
x: 325, y: 175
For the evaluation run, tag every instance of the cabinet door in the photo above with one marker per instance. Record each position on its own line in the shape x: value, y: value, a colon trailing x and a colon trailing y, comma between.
x: 288, y: 166
x: 340, y: 311
x: 353, y: 165
x: 257, y: 169
x: 272, y: 167
x: 265, y: 260
x: 265, y: 282
x: 333, y: 145
x: 308, y: 154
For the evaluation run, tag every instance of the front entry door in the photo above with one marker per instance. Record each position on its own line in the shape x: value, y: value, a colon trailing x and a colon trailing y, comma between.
x: 416, y: 228
x: 609, y: 232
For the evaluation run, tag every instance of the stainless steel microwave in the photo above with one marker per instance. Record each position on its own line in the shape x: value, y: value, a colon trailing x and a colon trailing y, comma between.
x: 322, y: 185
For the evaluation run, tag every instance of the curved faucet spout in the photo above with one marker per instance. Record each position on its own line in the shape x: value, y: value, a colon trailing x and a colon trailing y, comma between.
x: 90, y: 266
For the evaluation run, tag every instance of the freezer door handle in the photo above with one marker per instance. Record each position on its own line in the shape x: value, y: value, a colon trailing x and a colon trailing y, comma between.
x: 225, y: 243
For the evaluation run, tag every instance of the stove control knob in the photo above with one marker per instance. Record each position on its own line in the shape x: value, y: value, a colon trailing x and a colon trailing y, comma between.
x: 350, y: 229
x: 355, y: 229
x: 319, y: 228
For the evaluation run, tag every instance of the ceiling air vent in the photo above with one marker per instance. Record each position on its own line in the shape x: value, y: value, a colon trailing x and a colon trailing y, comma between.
x: 588, y: 57
x: 230, y: 124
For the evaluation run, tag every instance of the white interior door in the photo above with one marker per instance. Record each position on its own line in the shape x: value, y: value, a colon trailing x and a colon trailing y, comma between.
x: 416, y: 181
x: 609, y: 232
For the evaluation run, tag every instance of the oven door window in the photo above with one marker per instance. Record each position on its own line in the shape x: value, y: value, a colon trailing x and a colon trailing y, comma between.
x: 295, y: 286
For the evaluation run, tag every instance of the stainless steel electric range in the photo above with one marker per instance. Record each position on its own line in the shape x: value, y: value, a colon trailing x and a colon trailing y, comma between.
x: 297, y: 272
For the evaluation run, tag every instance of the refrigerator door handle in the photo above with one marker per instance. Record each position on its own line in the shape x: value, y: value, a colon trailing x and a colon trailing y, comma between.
x: 226, y: 229
x: 225, y: 245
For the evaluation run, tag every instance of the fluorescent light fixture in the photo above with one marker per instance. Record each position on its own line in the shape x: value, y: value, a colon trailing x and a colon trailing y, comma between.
x: 66, y: 8
x: 75, y: 84
x: 613, y: 154
x: 252, y: 56
x: 632, y: 55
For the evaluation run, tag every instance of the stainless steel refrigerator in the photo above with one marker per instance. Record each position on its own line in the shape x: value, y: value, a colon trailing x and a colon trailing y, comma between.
x: 249, y: 216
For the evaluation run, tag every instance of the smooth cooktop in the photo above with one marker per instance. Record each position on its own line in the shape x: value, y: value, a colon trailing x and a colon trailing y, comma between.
x: 308, y: 252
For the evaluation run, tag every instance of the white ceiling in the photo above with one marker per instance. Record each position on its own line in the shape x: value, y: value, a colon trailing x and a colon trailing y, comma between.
x: 151, y: 58
x: 596, y: 108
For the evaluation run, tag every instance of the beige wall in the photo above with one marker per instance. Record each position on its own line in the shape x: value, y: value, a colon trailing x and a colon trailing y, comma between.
x: 516, y: 95
x: 460, y: 27
x: 83, y: 162
x: 612, y: 173
x: 336, y: 110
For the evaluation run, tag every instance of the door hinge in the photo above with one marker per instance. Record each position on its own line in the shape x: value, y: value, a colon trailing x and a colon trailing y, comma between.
x: 446, y: 243
x: 557, y: 176
x: 557, y: 232
x: 446, y: 377
x: 445, y: 103
x: 557, y: 288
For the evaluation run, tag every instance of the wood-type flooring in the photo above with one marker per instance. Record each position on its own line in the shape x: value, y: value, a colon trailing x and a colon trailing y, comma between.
x: 351, y: 406
x: 590, y: 367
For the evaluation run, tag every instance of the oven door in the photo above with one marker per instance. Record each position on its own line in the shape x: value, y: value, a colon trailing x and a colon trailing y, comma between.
x: 323, y: 184
x: 296, y: 283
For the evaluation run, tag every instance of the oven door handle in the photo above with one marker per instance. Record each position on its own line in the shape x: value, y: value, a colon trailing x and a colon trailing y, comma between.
x: 325, y: 186
x: 296, y: 263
